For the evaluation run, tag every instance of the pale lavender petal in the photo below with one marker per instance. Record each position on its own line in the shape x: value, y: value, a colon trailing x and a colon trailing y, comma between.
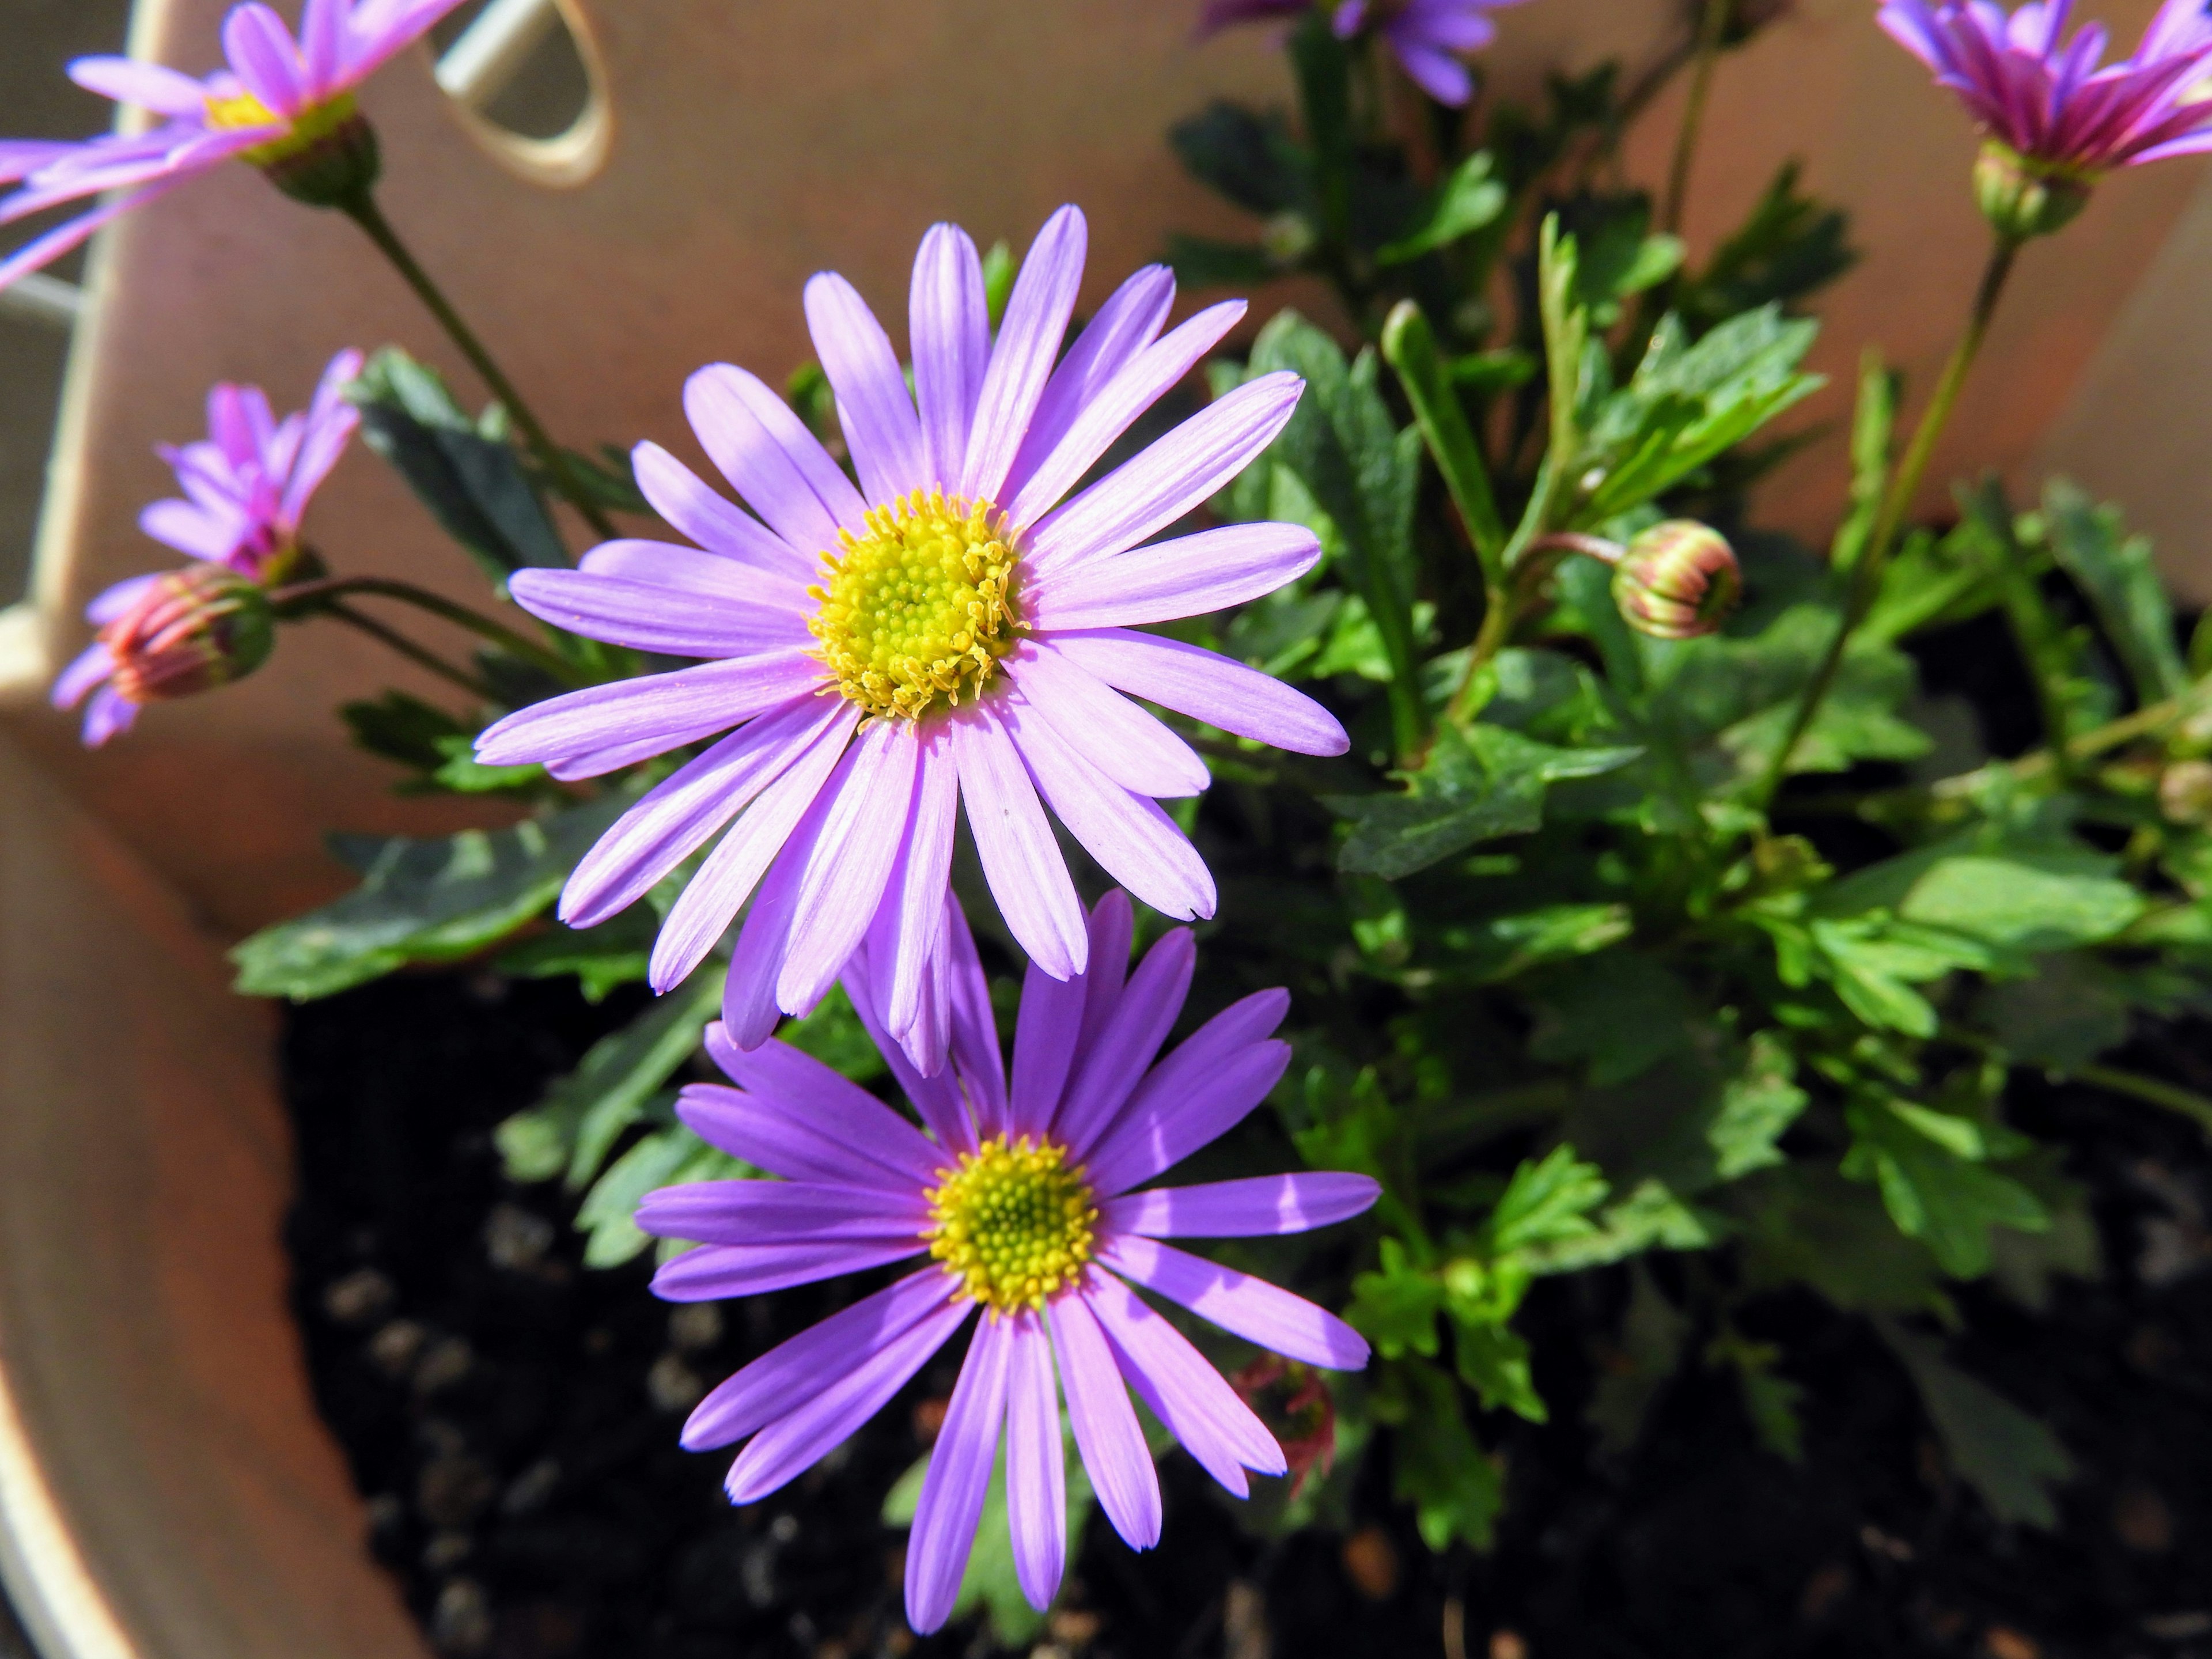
x: 1021, y: 859
x: 44, y: 250
x: 1036, y: 1469
x: 920, y: 886
x: 1185, y: 1393
x: 976, y: 1054
x: 851, y: 862
x: 1437, y: 72
x: 881, y: 428
x: 770, y: 458
x: 1167, y: 1120
x: 951, y: 325
x: 1254, y: 1207
x: 682, y: 811
x: 232, y: 425
x: 21, y: 157
x: 1242, y: 1305
x: 751, y: 1012
x: 844, y: 1401
x: 780, y: 1212
x: 688, y: 569
x: 109, y: 715
x: 790, y: 1373
x: 1134, y: 841
x: 959, y: 1472
x: 1107, y: 1433
x: 1045, y: 1031
x: 1115, y: 406
x: 1206, y: 686
x: 1029, y: 339
x: 836, y: 1106
x: 261, y: 54
x: 935, y: 1097
x: 330, y: 425
x: 692, y: 509
x: 322, y: 46
x: 716, y: 1273
x: 1174, y: 475
x: 192, y: 529
x: 1129, y: 745
x: 1190, y: 576
x: 1130, y: 320
x: 113, y: 600
x: 684, y: 705
x: 91, y: 666
x: 648, y: 618
x: 148, y: 86
x: 1142, y: 1017
x: 706, y: 908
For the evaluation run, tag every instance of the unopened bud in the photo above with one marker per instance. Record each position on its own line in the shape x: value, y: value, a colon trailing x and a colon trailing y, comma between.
x: 2021, y: 197
x: 190, y: 631
x: 2184, y: 792
x: 328, y: 158
x: 1677, y: 581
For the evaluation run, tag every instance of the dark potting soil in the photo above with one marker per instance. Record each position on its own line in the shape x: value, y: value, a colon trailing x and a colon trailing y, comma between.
x: 510, y: 1418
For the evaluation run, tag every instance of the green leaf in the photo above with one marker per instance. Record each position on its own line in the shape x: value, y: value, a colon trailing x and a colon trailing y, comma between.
x: 1204, y: 262
x: 401, y: 727
x: 672, y: 1157
x: 424, y: 901
x: 999, y: 270
x: 1770, y: 1400
x: 2068, y: 1012
x: 1873, y: 421
x: 2122, y: 582
x: 1396, y: 1307
x: 1456, y: 1491
x: 1652, y: 1218
x: 1934, y: 1191
x: 1789, y: 247
x: 1801, y: 1224
x: 1248, y: 159
x: 2011, y: 1459
x: 1471, y: 198
x: 1653, y: 1331
x: 462, y: 773
x: 572, y: 1129
x: 1621, y: 1012
x: 1493, y: 1360
x: 1411, y: 349
x: 1547, y: 1202
x: 1757, y: 1107
x: 616, y: 952
x: 469, y: 477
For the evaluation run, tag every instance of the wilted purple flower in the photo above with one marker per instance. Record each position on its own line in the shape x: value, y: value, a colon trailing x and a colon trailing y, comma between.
x: 1427, y: 35
x: 246, y: 486
x: 281, y: 104
x: 2044, y: 96
x: 1023, y: 1196
x: 970, y: 627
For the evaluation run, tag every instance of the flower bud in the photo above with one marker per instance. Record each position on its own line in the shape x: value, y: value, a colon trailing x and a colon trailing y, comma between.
x: 190, y: 631
x: 2184, y: 792
x: 2020, y: 197
x: 328, y: 159
x: 1677, y: 581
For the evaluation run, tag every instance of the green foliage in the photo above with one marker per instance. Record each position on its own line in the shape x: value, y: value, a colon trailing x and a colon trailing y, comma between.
x: 2011, y: 1459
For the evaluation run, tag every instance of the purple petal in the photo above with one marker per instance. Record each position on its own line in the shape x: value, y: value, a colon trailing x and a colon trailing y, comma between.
x: 919, y: 887
x: 975, y: 1027
x: 935, y: 1097
x: 1130, y: 320
x: 650, y: 618
x: 322, y: 46
x: 44, y: 250
x: 148, y: 86
x: 1021, y: 859
x: 192, y: 529
x: 678, y: 816
x: 1036, y: 1469
x: 771, y: 459
x: 93, y: 665
x: 1116, y: 406
x: 1185, y: 1393
x: 1254, y: 1207
x: 261, y: 54
x: 1437, y: 72
x: 1028, y: 340
x: 959, y: 1472
x: 780, y: 1212
x: 1129, y: 745
x: 751, y: 1012
x: 1113, y: 928
x: 1187, y: 577
x: 1045, y: 1031
x: 790, y: 1373
x: 1105, y: 1424
x: 1241, y: 1304
x: 716, y: 1273
x: 685, y: 706
x: 330, y: 425
x: 846, y: 1400
x: 949, y: 321
x: 686, y: 570
x: 802, y: 1085
x: 693, y: 510
x: 1206, y: 686
x: 881, y: 428
x: 1142, y: 1018
x: 1134, y: 841
x: 109, y: 715
x: 113, y: 600
x: 851, y: 862
x: 769, y: 1135
x: 1174, y: 475
x: 1178, y: 1090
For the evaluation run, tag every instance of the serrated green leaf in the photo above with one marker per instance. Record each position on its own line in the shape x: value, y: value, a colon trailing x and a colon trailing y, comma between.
x: 2117, y: 573
x: 1438, y: 1467
x: 1758, y: 1106
x: 1396, y: 1307
x: 1547, y: 1202
x: 1493, y: 1359
x: 2011, y: 1459
x: 1933, y: 1192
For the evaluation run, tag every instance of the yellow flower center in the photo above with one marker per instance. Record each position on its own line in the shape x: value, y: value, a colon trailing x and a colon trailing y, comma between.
x: 309, y: 127
x: 1013, y: 1223
x: 919, y: 610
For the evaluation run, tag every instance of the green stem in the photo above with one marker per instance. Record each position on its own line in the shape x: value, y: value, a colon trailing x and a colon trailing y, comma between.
x: 406, y: 647
x: 363, y: 211
x: 323, y: 595
x: 1874, y: 559
x: 1694, y: 114
x: 2188, y: 1103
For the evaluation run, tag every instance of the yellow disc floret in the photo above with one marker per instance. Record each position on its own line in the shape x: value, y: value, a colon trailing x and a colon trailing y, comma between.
x: 303, y: 132
x: 1013, y: 1223
x: 918, y: 611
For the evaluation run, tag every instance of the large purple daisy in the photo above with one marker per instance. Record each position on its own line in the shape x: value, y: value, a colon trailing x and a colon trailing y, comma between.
x: 1023, y: 1195
x: 2043, y: 94
x: 1428, y: 36
x: 277, y: 99
x: 246, y: 487
x: 952, y: 629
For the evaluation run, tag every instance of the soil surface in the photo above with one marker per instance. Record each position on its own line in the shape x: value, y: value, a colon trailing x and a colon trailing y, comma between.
x: 510, y: 1418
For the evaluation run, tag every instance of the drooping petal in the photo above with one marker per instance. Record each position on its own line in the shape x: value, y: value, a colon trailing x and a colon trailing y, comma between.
x: 881, y: 428
x: 950, y: 321
x: 780, y: 1212
x: 109, y: 715
x: 1129, y: 745
x: 1256, y: 1206
x: 751, y: 1012
x: 1107, y: 1433
x: 1036, y: 1469
x: 851, y: 862
x: 93, y: 665
x: 685, y: 706
x: 692, y: 509
x: 1190, y: 576
x: 1029, y: 339
x: 959, y: 1473
x: 1434, y: 70
x: 717, y: 1273
x: 935, y: 1097
x: 1021, y: 860
x: 1185, y: 1393
x: 771, y: 459
x: 1130, y: 320
x: 648, y: 618
x: 1142, y: 1018
x: 42, y: 250
x: 1242, y: 1305
x: 1206, y: 686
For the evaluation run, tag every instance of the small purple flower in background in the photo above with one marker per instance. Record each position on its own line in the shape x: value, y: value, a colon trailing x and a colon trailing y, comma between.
x: 1023, y: 1199
x: 2044, y: 96
x: 246, y: 487
x: 972, y: 629
x: 281, y: 104
x: 1428, y: 36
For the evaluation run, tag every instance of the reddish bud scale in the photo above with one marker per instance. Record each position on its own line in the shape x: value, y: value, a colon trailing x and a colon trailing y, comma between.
x: 190, y: 631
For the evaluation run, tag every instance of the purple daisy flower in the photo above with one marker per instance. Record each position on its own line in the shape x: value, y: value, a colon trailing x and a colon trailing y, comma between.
x: 1022, y: 1192
x: 951, y: 630
x: 276, y: 102
x: 2042, y: 94
x: 246, y: 487
x: 1428, y: 36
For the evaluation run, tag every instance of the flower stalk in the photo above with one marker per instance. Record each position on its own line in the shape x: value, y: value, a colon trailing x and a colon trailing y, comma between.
x: 328, y: 596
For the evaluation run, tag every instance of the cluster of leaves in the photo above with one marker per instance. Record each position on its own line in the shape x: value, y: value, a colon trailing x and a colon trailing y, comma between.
x: 1570, y: 985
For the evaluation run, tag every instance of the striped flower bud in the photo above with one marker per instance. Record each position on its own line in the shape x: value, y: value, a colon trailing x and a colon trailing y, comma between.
x: 188, y: 631
x: 1677, y: 581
